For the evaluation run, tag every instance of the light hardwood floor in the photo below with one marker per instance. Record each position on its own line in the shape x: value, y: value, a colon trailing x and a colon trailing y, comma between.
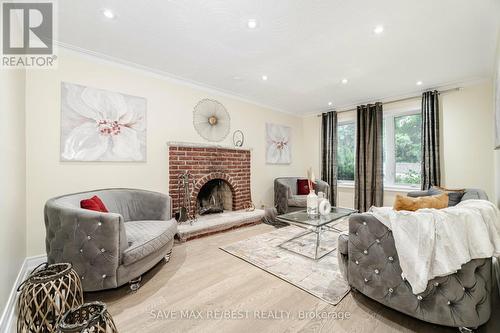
x: 202, y: 279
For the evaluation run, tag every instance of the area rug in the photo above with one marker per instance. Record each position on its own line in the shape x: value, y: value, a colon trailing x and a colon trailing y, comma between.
x: 321, y: 278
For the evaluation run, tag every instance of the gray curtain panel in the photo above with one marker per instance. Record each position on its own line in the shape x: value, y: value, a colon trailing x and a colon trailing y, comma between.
x: 431, y: 170
x: 329, y: 153
x: 369, y: 178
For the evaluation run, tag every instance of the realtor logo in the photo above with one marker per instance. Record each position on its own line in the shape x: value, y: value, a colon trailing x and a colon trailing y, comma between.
x: 27, y: 34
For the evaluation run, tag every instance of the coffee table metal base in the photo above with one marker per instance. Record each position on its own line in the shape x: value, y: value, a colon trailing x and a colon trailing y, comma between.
x: 317, y: 231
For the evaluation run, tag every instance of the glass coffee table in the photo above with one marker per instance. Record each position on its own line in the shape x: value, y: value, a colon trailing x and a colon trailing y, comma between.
x: 315, y: 226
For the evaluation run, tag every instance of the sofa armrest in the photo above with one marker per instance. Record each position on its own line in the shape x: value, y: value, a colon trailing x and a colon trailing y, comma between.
x: 373, y: 265
x: 281, y: 192
x: 343, y: 254
x: 322, y: 186
x: 91, y: 241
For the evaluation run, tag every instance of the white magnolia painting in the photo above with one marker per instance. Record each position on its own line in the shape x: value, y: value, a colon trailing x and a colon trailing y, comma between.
x: 100, y: 125
x: 278, y: 149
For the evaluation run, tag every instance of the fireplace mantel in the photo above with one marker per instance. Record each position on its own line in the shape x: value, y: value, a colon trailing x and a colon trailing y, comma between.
x: 205, y: 145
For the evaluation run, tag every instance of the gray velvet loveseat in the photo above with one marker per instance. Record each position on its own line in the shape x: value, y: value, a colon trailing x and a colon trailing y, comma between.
x: 286, y: 198
x: 369, y: 261
x: 108, y: 250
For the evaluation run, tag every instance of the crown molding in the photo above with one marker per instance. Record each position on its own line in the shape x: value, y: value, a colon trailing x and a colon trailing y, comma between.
x: 162, y: 75
x: 443, y: 86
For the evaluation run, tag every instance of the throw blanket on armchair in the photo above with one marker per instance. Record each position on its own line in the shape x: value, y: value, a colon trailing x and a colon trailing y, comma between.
x: 432, y: 242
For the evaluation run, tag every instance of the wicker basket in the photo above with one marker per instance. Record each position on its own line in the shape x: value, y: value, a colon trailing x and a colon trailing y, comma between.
x: 46, y: 295
x: 89, y: 317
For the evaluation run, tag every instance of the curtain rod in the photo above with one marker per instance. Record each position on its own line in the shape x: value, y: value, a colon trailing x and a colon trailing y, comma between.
x: 399, y: 100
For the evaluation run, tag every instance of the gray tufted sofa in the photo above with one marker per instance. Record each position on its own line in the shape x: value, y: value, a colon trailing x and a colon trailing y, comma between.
x: 285, y: 194
x: 110, y: 249
x: 370, y: 263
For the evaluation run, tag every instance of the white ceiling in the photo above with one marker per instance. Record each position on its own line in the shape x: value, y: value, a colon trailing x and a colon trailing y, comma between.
x: 305, y: 47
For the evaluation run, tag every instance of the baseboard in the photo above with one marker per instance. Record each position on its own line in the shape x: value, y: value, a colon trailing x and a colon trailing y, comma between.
x: 9, y: 316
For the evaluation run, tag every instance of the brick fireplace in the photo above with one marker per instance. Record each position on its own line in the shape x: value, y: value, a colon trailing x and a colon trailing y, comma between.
x: 206, y: 163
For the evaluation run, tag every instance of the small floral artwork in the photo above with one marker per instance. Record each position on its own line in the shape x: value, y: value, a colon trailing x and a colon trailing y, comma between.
x: 278, y: 149
x: 100, y: 125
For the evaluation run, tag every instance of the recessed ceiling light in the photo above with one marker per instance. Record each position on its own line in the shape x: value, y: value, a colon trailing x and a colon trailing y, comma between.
x: 378, y: 29
x: 330, y: 103
x: 252, y: 23
x: 264, y: 77
x: 108, y: 13
x: 419, y: 83
x: 344, y: 81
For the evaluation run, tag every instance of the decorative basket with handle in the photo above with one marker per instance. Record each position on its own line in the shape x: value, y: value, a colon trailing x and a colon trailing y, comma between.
x: 45, y: 296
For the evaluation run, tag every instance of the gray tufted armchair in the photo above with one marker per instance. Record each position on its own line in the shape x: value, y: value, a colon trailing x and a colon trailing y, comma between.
x: 108, y: 250
x: 285, y: 194
x: 369, y: 261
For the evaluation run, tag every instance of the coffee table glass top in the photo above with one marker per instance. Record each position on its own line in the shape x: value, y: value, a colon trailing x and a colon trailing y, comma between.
x: 301, y: 217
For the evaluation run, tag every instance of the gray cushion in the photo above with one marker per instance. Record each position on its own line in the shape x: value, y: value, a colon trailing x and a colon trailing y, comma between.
x: 297, y: 200
x: 454, y: 197
x: 146, y: 237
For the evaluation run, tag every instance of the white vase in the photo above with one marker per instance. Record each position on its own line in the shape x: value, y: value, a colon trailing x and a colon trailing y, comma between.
x: 312, y: 204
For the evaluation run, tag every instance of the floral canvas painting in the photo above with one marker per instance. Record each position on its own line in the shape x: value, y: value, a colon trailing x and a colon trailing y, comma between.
x: 278, y: 149
x: 101, y: 125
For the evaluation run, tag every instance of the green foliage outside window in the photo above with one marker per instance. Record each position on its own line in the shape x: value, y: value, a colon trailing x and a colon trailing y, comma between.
x: 345, y: 152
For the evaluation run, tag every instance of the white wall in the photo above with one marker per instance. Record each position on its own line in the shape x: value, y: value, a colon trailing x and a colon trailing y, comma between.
x: 170, y: 106
x: 12, y: 179
x: 467, y: 140
x: 496, y: 71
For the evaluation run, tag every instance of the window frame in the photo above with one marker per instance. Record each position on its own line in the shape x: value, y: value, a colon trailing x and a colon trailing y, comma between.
x: 388, y: 119
x: 340, y: 182
x: 389, y: 145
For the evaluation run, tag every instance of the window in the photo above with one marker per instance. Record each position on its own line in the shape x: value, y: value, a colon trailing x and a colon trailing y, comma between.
x: 345, y: 151
x: 402, y: 150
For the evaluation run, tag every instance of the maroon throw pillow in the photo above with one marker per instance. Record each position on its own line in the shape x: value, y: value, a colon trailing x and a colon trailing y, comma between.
x: 94, y: 203
x: 303, y: 187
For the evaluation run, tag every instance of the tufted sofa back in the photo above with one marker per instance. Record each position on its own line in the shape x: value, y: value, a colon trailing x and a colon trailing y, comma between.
x: 131, y: 204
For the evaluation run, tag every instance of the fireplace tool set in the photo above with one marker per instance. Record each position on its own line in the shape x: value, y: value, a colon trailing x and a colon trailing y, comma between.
x: 185, y: 213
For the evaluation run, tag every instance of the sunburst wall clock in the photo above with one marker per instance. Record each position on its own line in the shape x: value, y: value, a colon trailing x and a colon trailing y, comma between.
x: 211, y: 120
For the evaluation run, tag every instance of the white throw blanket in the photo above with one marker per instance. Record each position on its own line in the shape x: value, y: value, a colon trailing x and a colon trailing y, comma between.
x: 437, y: 242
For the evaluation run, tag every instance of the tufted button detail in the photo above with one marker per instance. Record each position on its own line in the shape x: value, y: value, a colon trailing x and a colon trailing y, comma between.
x: 357, y: 233
x: 88, y: 237
x: 391, y: 259
x: 99, y: 223
x: 104, y: 276
x: 419, y: 297
x: 364, y: 223
x: 436, y: 284
x: 81, y: 250
x: 365, y: 251
x: 366, y: 280
x: 377, y: 240
x: 356, y: 262
x: 376, y: 271
x: 463, y: 288
x: 103, y: 250
x: 391, y: 290
x: 82, y: 277
x: 449, y: 303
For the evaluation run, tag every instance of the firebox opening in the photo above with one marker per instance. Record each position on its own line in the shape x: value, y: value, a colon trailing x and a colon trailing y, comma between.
x: 215, y: 196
